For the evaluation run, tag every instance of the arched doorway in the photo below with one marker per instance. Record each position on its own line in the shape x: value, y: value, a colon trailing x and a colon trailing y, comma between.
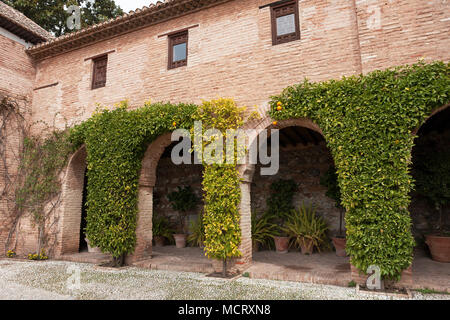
x: 304, y: 160
x: 430, y: 169
x: 73, y: 188
x: 159, y: 178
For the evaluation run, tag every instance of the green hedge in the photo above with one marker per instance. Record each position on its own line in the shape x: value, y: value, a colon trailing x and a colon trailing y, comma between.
x: 367, y: 122
x: 116, y: 141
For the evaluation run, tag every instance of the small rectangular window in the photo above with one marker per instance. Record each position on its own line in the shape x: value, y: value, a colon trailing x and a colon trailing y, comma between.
x: 99, y: 72
x: 285, y: 22
x: 178, y: 50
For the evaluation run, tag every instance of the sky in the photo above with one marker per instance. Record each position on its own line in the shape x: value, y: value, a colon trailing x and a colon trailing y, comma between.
x: 128, y: 5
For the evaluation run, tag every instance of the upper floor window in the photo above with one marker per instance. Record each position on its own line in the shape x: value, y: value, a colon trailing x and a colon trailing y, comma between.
x: 178, y: 49
x: 99, y: 72
x: 285, y: 22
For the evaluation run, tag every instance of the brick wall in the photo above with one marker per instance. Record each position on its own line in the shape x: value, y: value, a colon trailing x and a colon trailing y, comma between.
x: 17, y: 70
x: 305, y: 165
x: 16, y: 81
x: 231, y: 54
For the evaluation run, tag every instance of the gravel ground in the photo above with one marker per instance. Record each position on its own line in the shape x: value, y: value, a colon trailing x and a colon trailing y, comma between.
x: 53, y: 280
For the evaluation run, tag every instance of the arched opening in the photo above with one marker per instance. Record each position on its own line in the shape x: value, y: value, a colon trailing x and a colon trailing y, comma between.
x: 159, y: 219
x: 430, y: 201
x: 304, y: 160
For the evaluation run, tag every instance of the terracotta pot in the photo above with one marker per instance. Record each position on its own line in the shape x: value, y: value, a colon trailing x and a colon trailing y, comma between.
x: 282, y: 244
x: 92, y: 249
x: 439, y: 247
x: 180, y: 240
x: 255, y: 246
x: 339, y: 245
x: 159, y: 241
x: 307, y: 247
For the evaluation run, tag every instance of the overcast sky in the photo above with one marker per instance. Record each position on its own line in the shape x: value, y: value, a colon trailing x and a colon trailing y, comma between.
x: 128, y: 5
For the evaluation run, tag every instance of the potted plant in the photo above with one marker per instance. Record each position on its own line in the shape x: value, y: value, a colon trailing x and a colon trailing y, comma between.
x: 307, y: 229
x: 432, y: 173
x: 279, y: 205
x: 262, y: 230
x: 162, y: 230
x: 330, y: 181
x: 183, y: 200
x: 197, y: 236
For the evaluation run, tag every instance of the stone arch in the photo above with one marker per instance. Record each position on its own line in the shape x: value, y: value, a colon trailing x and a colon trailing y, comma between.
x: 71, y: 203
x: 247, y: 172
x: 147, y: 181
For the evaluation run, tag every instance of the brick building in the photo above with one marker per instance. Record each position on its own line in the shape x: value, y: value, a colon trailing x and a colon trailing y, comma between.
x: 194, y: 50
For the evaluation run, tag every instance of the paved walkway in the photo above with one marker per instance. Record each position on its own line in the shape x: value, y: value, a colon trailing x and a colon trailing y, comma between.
x: 323, y: 268
x: 57, y: 280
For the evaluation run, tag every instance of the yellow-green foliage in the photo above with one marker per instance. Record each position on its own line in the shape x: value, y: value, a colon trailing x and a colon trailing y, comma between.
x: 221, y: 183
x: 367, y: 122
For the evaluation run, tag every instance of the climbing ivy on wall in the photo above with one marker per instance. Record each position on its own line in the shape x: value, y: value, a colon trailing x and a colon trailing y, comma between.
x: 116, y: 141
x: 221, y: 183
x: 367, y: 122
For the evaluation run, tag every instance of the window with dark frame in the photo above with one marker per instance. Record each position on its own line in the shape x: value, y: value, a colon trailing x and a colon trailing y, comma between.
x: 285, y: 22
x: 99, y: 72
x: 178, y: 49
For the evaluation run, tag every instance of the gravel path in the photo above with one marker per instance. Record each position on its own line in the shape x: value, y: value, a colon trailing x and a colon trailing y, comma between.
x: 56, y: 280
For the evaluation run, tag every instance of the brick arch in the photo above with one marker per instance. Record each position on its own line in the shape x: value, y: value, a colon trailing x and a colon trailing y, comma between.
x: 71, y: 204
x: 247, y: 172
x: 147, y: 182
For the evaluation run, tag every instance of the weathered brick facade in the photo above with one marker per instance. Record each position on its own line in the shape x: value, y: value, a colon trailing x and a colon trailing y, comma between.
x: 230, y: 54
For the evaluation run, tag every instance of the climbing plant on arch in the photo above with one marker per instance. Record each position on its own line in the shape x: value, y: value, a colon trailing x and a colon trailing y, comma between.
x: 116, y: 141
x: 368, y: 121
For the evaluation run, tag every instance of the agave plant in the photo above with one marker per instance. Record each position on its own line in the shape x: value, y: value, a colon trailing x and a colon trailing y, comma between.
x: 307, y: 229
x: 262, y: 229
x: 197, y: 236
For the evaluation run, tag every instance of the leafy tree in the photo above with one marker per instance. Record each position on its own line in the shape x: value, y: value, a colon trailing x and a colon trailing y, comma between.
x: 52, y: 16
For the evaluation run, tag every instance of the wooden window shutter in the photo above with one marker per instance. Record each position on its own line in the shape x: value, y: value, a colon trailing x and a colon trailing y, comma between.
x: 99, y: 72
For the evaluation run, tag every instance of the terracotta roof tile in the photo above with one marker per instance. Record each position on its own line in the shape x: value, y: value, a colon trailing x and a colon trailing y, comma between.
x: 153, y: 14
x: 12, y: 19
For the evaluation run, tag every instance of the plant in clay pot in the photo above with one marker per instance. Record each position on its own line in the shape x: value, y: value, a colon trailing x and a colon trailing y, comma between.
x: 183, y: 200
x: 262, y: 230
x: 279, y: 205
x: 432, y: 173
x: 307, y: 229
x: 330, y: 181
x: 162, y: 230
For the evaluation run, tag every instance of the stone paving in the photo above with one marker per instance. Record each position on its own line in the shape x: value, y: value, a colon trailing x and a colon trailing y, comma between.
x: 56, y: 280
x: 323, y: 268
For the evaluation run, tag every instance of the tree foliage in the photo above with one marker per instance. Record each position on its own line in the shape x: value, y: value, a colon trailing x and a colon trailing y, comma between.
x: 52, y: 16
